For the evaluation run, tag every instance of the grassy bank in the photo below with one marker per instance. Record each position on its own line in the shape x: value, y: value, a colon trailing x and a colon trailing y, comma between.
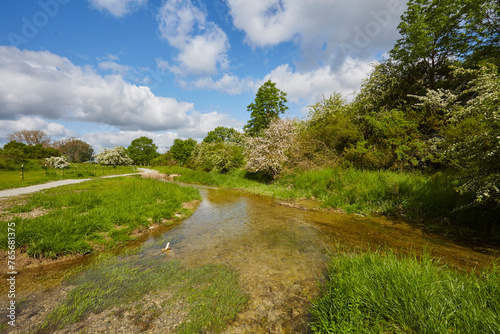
x: 386, y: 293
x: 96, y: 214
x: 427, y: 199
x: 210, y: 296
x: 35, y: 174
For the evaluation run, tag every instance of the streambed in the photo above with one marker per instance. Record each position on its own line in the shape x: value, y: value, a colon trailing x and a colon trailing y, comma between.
x: 280, y: 254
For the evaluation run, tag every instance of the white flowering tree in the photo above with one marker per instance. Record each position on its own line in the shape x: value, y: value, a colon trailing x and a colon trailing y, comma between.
x: 478, y: 155
x: 114, y: 156
x: 270, y: 152
x: 57, y: 162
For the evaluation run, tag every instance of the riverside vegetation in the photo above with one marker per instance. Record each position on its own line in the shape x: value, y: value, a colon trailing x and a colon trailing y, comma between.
x: 95, y: 214
x: 381, y: 292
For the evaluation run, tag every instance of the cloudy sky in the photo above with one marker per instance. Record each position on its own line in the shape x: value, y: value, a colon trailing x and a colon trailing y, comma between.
x: 110, y: 71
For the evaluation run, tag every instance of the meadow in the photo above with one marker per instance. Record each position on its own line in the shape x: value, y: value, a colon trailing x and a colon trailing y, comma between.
x: 100, y: 213
x: 33, y: 173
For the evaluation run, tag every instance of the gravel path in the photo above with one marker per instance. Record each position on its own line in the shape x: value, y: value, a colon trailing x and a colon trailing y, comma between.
x: 53, y: 184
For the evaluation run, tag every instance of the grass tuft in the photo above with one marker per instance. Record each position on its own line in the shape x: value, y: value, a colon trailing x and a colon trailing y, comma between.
x: 381, y: 293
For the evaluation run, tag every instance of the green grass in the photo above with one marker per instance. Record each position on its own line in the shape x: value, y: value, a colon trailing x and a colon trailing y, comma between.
x: 102, y: 211
x: 387, y: 293
x: 212, y: 292
x: 36, y: 175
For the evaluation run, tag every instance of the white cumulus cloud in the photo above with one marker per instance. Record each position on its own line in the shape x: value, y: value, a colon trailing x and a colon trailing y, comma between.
x: 310, y: 86
x: 202, y: 45
x: 53, y: 129
x: 42, y: 84
x: 327, y: 31
x: 117, y: 8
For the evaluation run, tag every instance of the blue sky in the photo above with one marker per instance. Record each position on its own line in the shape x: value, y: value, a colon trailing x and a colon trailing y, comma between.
x: 110, y: 71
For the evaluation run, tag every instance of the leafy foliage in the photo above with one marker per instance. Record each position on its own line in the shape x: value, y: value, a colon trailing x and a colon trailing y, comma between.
x: 217, y: 156
x: 142, y: 150
x: 220, y: 134
x: 14, y: 153
x: 182, y: 149
x: 269, y: 104
x: 165, y: 159
x: 432, y: 34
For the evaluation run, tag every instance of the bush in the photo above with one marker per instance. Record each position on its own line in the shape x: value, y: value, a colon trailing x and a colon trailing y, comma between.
x: 216, y: 156
x: 270, y: 152
x: 165, y: 159
x: 115, y: 156
x: 57, y: 162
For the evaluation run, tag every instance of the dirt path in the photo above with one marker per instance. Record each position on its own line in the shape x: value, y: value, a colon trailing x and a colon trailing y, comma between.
x: 53, y: 184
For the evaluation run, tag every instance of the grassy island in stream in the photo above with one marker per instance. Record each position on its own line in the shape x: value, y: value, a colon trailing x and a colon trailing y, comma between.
x: 95, y: 214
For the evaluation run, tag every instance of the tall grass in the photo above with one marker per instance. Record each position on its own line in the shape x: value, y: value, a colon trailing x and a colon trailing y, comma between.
x: 212, y: 291
x: 104, y: 212
x: 385, y: 293
x: 36, y: 174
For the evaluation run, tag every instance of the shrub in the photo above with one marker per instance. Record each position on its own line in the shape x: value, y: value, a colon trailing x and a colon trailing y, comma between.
x: 114, y: 156
x: 57, y: 162
x: 270, y: 152
x: 217, y: 157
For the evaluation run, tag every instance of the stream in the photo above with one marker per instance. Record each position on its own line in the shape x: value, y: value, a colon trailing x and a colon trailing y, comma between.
x: 280, y: 253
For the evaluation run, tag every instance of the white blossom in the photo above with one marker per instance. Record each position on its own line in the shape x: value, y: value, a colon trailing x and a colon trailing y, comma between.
x: 114, y: 156
x: 270, y: 152
x: 57, y: 162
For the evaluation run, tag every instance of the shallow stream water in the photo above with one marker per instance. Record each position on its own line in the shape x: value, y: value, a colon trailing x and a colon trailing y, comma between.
x: 279, y: 252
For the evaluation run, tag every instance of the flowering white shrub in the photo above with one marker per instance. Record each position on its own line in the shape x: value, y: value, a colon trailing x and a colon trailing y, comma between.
x: 478, y: 156
x: 270, y: 152
x: 114, y: 156
x: 57, y: 162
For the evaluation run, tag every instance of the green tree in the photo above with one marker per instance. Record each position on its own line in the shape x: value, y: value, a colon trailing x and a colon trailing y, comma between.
x: 142, y: 150
x: 433, y: 35
x: 482, y: 19
x: 220, y: 134
x: 269, y: 104
x: 182, y: 149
